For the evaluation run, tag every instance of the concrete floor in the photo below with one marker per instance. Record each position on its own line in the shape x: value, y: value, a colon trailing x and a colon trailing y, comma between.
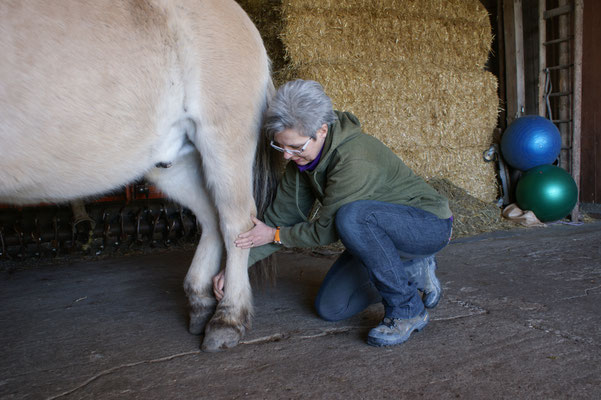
x: 520, y: 319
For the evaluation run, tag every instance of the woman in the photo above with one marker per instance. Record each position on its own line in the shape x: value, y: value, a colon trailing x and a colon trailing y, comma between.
x: 390, y: 221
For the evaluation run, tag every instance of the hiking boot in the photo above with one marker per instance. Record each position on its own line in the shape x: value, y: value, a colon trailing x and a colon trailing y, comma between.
x: 432, y: 288
x: 421, y: 271
x: 393, y: 331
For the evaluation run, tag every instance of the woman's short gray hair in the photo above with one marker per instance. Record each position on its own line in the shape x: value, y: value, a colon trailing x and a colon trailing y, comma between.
x: 300, y: 105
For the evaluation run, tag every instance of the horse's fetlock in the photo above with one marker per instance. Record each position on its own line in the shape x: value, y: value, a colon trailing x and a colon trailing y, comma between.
x: 202, y: 309
x: 233, y: 316
x: 199, y: 319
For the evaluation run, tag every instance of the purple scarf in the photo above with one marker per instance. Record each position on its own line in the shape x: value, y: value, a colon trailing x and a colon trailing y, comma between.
x: 311, y: 166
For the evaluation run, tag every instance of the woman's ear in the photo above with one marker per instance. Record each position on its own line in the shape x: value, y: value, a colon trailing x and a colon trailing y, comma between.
x: 322, y: 132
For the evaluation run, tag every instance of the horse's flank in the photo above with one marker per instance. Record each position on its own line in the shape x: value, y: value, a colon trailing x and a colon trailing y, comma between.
x: 105, y: 90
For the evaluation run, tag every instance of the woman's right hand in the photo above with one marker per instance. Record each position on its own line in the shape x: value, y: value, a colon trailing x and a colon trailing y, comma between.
x: 218, y: 284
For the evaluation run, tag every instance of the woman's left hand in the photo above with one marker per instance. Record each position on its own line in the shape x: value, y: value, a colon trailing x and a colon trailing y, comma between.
x: 218, y: 284
x: 258, y: 236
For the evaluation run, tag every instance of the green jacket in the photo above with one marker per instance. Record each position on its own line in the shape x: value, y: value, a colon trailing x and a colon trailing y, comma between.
x: 353, y: 166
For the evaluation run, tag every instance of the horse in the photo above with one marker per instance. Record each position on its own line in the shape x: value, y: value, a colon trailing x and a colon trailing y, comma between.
x: 97, y: 93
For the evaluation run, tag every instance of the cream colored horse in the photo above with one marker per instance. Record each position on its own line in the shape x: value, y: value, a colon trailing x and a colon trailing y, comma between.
x: 96, y: 93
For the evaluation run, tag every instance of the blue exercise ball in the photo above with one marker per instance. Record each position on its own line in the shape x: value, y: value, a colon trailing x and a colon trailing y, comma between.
x: 548, y: 191
x: 530, y: 141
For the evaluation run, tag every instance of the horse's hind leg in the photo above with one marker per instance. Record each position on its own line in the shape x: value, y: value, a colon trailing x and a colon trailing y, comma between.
x: 228, y: 149
x: 183, y: 182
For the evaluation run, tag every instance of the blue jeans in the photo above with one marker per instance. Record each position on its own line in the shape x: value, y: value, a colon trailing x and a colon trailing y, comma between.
x: 383, y: 241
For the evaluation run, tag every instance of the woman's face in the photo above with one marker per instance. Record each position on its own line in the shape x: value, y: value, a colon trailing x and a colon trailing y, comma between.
x: 291, y: 139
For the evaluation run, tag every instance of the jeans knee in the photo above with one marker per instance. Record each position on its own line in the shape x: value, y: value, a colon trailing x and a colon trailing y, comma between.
x: 328, y: 312
x: 347, y: 218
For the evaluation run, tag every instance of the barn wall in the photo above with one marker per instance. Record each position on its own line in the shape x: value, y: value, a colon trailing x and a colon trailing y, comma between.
x: 590, y: 190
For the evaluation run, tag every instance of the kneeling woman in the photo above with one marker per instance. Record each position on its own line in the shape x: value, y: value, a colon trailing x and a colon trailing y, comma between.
x: 390, y: 221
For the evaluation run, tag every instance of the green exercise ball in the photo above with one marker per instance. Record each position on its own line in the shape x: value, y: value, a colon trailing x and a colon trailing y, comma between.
x: 548, y: 191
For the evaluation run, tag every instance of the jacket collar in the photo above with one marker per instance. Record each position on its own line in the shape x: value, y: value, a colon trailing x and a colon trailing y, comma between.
x: 345, y: 128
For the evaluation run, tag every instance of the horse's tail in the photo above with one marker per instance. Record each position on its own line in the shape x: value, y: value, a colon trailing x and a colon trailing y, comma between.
x: 266, y: 174
x: 268, y: 166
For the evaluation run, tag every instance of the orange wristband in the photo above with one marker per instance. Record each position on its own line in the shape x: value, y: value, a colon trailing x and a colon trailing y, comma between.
x: 276, y: 239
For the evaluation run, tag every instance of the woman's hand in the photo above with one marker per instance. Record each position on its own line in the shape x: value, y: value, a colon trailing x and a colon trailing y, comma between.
x: 218, y: 283
x: 258, y: 236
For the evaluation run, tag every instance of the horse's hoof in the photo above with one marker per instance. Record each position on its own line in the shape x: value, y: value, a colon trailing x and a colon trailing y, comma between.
x: 219, y: 336
x: 199, y: 319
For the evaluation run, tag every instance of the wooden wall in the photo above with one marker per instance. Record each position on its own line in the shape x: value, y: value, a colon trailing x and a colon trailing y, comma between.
x: 590, y: 190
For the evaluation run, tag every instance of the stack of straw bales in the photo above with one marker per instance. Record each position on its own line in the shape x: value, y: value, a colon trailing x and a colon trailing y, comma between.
x: 411, y: 70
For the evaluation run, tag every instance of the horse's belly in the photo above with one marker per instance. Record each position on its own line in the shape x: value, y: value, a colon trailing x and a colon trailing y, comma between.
x: 88, y: 91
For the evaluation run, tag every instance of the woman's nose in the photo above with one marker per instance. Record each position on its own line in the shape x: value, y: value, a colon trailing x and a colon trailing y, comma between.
x: 287, y: 156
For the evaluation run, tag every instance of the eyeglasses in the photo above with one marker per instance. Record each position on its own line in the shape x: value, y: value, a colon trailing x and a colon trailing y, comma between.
x: 291, y: 152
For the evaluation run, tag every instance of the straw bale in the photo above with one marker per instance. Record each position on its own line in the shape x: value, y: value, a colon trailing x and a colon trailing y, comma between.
x: 397, y: 132
x: 452, y: 9
x: 465, y: 168
x: 470, y: 215
x: 414, y: 105
x: 374, y: 38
